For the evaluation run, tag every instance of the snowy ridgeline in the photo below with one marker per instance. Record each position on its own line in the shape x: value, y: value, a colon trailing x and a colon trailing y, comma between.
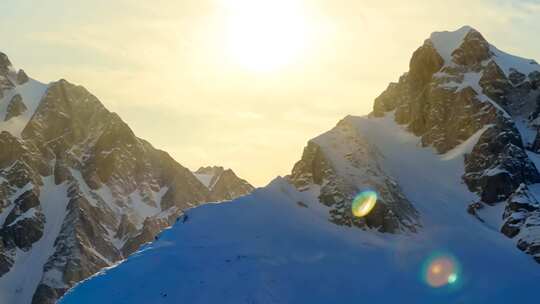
x: 277, y: 246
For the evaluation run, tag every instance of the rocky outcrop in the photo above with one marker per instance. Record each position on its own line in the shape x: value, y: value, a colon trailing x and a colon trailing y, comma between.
x: 522, y: 221
x: 5, y: 69
x: 15, y: 108
x: 473, y: 50
x: 476, y: 93
x: 5, y: 64
x: 339, y: 165
x: 22, y: 78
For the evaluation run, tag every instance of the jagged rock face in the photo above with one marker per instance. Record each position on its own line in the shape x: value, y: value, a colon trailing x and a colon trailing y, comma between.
x: 22, y: 78
x: 8, y: 76
x: 5, y: 64
x: 15, y: 108
x: 477, y: 90
x: 223, y: 183
x: 24, y: 224
x: 473, y: 50
x: 78, y: 190
x: 5, y: 68
x: 339, y: 165
x: 522, y: 220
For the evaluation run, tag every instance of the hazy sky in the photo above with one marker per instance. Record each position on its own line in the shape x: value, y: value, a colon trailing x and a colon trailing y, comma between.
x: 242, y: 83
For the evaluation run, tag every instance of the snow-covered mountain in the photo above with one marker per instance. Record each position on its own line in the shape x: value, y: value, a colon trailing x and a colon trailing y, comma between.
x: 452, y: 152
x: 78, y: 190
x: 223, y: 184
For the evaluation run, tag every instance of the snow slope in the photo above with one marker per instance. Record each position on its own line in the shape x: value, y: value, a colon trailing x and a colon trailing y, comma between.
x: 281, y: 251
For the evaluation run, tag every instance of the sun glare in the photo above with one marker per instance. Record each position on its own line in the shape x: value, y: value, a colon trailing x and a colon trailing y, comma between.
x: 266, y: 35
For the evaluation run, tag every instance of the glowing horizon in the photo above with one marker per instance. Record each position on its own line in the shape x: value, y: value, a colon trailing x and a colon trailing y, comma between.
x: 242, y: 83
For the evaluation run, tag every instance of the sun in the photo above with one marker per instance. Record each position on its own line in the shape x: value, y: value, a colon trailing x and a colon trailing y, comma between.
x: 266, y: 35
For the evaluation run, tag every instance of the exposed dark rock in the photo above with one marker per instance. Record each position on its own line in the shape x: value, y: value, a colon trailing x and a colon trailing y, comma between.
x: 519, y: 208
x: 47, y: 295
x: 534, y: 77
x: 424, y: 63
x: 23, y: 233
x: 6, y: 261
x: 151, y: 228
x: 516, y: 77
x: 302, y: 204
x: 5, y: 64
x: 473, y: 208
x: 126, y: 228
x: 498, y: 164
x: 495, y: 84
x: 23, y: 203
x: 393, y: 212
x: 22, y: 78
x: 15, y: 108
x: 473, y: 50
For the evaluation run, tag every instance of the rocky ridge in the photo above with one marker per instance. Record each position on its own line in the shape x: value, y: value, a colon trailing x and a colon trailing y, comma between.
x: 79, y: 191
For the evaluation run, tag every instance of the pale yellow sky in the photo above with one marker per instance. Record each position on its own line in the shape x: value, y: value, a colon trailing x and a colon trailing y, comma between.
x: 239, y: 84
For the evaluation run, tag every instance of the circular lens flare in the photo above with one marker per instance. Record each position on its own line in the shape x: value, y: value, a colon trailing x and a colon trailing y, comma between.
x: 441, y: 270
x: 363, y: 203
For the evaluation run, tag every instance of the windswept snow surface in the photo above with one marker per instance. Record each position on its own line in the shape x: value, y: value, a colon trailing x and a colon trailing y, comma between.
x: 268, y: 248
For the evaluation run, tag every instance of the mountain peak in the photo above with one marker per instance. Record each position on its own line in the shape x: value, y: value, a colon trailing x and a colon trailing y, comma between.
x: 210, y: 170
x: 447, y: 42
x: 223, y: 183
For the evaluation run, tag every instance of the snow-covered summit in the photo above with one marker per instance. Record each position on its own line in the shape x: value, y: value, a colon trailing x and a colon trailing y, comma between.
x: 448, y: 44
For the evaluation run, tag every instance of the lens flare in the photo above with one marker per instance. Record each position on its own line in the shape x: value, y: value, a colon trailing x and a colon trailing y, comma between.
x: 363, y: 203
x: 441, y: 270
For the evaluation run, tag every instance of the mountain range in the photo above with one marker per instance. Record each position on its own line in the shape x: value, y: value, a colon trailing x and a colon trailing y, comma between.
x: 79, y: 191
x: 452, y: 152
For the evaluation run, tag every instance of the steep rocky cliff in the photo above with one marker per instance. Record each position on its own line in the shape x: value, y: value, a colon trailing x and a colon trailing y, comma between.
x: 457, y: 85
